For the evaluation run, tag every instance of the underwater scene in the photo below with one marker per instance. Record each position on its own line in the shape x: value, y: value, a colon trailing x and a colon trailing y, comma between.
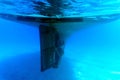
x: 59, y: 40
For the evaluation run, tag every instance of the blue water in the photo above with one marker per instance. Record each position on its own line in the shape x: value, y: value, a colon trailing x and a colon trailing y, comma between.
x: 92, y: 53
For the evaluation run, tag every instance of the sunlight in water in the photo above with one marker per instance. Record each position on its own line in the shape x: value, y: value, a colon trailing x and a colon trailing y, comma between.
x: 96, y: 51
x: 68, y: 8
x: 92, y: 53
